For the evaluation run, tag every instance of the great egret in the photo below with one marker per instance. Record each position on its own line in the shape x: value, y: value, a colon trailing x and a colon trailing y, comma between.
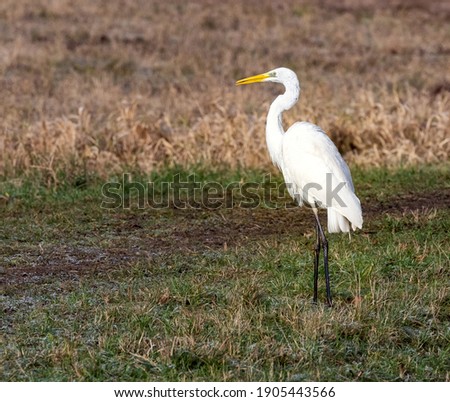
x: 314, y: 171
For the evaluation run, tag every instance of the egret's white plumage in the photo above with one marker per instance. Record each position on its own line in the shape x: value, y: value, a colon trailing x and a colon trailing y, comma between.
x: 310, y: 157
x: 314, y: 171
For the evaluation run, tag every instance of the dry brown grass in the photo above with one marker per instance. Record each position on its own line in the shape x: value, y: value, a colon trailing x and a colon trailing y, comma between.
x: 107, y: 85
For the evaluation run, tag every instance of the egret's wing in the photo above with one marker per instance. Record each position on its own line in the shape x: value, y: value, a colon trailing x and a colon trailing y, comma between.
x: 316, y: 172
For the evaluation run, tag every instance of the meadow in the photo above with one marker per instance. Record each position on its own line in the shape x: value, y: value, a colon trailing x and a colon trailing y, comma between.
x: 98, y: 292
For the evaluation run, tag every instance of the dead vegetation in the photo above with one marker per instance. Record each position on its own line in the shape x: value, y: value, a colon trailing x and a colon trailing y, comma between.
x: 104, y: 86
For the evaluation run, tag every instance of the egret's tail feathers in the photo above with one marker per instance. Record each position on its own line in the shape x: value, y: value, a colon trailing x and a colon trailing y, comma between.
x: 336, y: 222
x: 339, y: 223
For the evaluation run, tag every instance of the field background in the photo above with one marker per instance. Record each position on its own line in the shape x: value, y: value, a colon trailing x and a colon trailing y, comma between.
x: 93, y: 89
x: 102, y: 85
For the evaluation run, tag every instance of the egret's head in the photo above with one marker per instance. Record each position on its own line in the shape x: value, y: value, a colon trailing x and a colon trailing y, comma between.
x: 281, y: 75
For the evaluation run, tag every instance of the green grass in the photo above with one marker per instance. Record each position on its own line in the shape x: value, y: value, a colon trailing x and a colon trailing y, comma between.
x: 182, y: 294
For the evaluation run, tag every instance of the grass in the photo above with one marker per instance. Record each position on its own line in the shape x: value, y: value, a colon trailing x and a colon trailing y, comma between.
x: 97, y: 89
x: 219, y: 293
x: 224, y: 294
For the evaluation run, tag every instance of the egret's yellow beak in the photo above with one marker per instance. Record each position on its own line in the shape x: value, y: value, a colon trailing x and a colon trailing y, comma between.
x: 253, y: 79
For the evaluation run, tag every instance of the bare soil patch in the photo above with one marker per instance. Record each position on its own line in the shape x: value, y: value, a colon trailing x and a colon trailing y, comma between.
x: 187, y: 232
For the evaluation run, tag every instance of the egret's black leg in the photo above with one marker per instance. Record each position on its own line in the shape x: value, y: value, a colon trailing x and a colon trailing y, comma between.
x: 327, y: 273
x: 324, y: 242
x: 316, y: 263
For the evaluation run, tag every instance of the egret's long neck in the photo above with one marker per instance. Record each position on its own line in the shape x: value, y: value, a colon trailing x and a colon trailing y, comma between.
x: 274, y: 124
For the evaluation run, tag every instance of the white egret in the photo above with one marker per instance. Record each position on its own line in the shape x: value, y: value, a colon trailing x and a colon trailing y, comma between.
x: 315, y: 173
